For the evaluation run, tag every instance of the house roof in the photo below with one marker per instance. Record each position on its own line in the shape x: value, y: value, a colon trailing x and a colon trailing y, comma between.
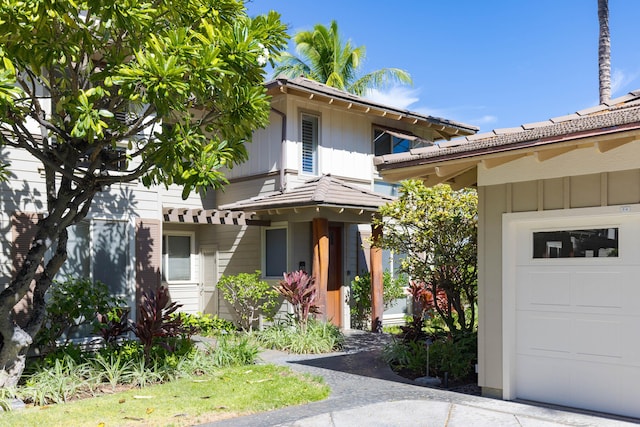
x: 324, y: 191
x: 310, y: 89
x: 616, y: 122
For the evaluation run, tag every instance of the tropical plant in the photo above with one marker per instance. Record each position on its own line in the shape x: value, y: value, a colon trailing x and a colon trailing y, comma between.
x: 324, y: 57
x: 436, y: 228
x: 206, y: 324
x: 155, y: 323
x: 248, y: 296
x: 315, y: 337
x: 299, y: 289
x: 162, y: 92
x: 72, y: 306
x: 360, y: 298
x: 113, y: 325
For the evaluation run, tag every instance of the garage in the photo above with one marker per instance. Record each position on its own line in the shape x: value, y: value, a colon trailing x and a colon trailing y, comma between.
x: 571, y: 301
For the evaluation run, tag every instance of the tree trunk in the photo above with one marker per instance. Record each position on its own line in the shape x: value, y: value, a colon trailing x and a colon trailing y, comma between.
x: 604, y: 52
x: 66, y: 209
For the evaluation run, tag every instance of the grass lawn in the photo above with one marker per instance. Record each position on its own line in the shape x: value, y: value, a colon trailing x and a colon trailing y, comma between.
x: 229, y: 393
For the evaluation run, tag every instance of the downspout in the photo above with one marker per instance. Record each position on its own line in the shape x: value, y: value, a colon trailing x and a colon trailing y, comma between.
x: 283, y: 153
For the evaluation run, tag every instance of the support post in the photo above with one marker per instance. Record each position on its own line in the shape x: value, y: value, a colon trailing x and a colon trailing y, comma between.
x: 377, y: 291
x: 320, y: 269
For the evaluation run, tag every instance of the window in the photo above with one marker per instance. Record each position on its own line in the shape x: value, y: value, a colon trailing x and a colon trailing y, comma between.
x: 176, y: 258
x: 386, y: 141
x: 99, y: 250
x: 590, y: 243
x: 275, y: 252
x: 309, y: 138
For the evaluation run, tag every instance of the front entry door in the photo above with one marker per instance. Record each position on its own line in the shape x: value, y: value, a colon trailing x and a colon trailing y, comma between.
x: 209, y: 279
x: 334, y: 278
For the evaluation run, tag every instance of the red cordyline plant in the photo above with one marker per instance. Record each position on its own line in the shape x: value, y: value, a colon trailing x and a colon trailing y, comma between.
x: 155, y: 323
x: 299, y: 289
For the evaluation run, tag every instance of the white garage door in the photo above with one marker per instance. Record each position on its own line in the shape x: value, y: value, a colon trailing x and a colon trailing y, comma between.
x: 576, y: 308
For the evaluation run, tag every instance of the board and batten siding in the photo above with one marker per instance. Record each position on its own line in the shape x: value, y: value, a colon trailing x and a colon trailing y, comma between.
x: 595, y: 180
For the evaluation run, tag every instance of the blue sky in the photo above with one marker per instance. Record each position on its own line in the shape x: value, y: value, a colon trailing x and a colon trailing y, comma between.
x: 489, y: 63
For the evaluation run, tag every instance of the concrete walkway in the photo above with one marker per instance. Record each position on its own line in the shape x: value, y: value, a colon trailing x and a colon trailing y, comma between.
x: 365, y: 392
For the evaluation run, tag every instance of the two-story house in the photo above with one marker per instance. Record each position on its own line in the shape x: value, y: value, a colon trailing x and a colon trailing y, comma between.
x: 311, y: 181
x: 303, y: 200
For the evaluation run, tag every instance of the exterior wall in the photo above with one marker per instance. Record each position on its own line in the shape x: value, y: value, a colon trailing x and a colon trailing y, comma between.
x: 619, y: 185
x: 345, y: 146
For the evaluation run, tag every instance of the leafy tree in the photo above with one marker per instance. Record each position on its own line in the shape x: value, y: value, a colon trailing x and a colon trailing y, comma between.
x: 324, y: 57
x: 437, y: 228
x: 113, y: 72
x: 248, y: 296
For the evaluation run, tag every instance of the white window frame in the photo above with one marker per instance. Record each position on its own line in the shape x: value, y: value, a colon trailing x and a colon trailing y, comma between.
x: 315, y: 144
x: 192, y: 255
x: 275, y: 226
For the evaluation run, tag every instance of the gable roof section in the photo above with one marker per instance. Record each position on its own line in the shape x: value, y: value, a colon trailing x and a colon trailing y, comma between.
x: 324, y: 191
x: 545, y: 139
x: 310, y: 89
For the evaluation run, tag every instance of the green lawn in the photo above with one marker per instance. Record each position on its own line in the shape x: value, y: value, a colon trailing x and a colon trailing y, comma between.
x: 230, y: 392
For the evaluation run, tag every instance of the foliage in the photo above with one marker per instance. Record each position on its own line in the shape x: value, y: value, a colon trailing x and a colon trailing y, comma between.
x: 406, y: 356
x: 248, y: 296
x: 73, y: 305
x: 113, y: 325
x: 184, y: 402
x: 316, y: 337
x: 162, y: 92
x: 206, y: 324
x: 299, y: 289
x: 393, y: 289
x: 155, y: 324
x: 323, y: 58
x: 454, y: 355
x: 234, y: 350
x: 437, y: 229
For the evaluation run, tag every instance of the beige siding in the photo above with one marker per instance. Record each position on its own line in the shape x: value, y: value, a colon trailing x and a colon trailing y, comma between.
x: 591, y: 190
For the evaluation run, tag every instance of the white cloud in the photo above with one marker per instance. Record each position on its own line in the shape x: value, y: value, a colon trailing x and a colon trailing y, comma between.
x: 621, y: 79
x: 484, y: 120
x: 397, y: 96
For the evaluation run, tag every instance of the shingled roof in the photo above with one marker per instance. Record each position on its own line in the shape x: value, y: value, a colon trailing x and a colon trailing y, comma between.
x: 618, y: 115
x: 324, y: 191
x: 310, y: 89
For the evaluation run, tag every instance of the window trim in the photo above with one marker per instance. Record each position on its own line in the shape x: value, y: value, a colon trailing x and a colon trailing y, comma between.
x: 314, y: 152
x: 192, y: 256
x: 263, y: 256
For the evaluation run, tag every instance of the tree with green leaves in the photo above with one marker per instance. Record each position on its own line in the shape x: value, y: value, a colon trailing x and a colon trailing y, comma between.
x: 436, y: 228
x: 324, y: 57
x: 113, y: 72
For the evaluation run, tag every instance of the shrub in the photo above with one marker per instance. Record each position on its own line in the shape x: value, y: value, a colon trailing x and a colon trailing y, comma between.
x: 113, y: 324
x: 206, y: 324
x: 248, y: 296
x: 456, y: 355
x: 299, y: 289
x: 393, y: 288
x: 317, y: 337
x: 155, y: 324
x: 71, y: 306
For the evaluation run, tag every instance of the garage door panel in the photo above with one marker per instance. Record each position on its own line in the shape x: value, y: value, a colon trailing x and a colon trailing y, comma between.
x: 542, y: 379
x: 597, y: 289
x: 596, y: 337
x: 547, y: 288
x: 543, y: 332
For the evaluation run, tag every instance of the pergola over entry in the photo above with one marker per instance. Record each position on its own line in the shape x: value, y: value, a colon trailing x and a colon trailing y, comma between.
x: 322, y: 200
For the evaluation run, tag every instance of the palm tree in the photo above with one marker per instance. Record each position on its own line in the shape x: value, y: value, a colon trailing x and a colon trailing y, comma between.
x: 324, y: 58
x: 604, y: 51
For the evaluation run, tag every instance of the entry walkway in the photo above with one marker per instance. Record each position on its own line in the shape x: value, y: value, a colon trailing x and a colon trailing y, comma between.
x: 365, y: 392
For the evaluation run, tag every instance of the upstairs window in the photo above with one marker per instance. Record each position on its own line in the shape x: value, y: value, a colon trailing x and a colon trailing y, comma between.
x: 386, y: 141
x: 309, y: 138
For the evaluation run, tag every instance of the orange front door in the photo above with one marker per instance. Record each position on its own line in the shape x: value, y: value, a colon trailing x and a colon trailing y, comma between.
x: 334, y: 280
